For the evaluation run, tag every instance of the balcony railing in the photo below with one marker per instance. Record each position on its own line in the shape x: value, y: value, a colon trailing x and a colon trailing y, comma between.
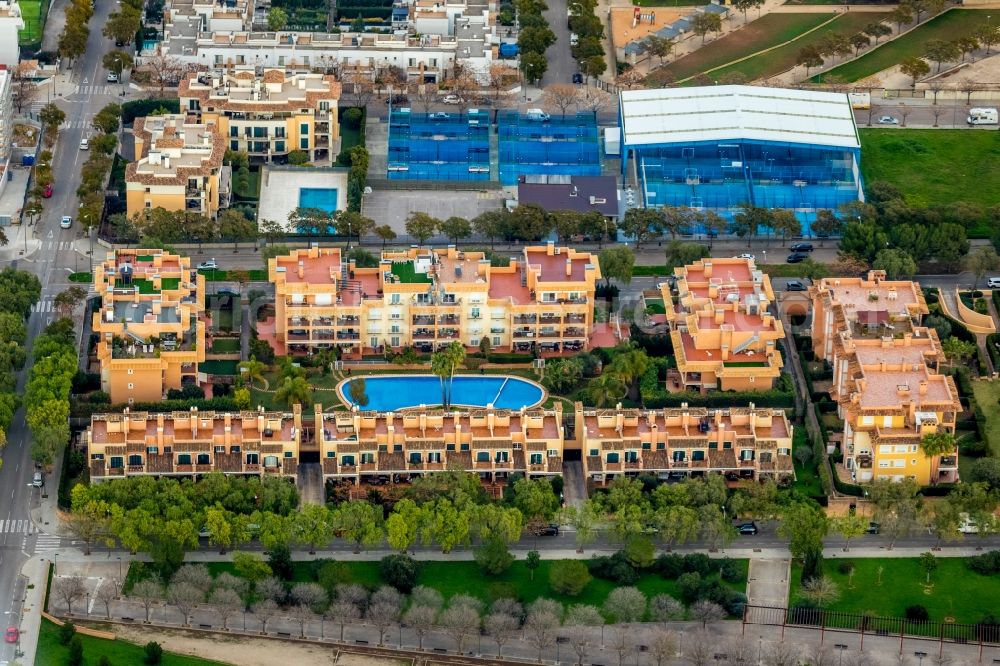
x: 346, y: 335
x: 575, y: 319
x: 348, y: 320
x: 550, y: 319
x: 524, y: 319
x: 573, y: 332
x: 451, y: 319
x: 423, y: 320
x: 948, y: 462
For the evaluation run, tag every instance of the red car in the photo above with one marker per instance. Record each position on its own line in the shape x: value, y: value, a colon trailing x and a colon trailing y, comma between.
x: 48, y: 191
x: 12, y: 635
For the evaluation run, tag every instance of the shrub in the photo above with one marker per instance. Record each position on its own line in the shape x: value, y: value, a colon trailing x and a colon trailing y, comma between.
x: 400, y: 571
x: 730, y: 571
x: 917, y: 613
x: 75, y: 655
x: 330, y: 574
x: 568, y: 577
x: 699, y: 563
x: 615, y: 568
x: 154, y: 653
x: 845, y: 567
x: 66, y: 632
x: 639, y: 552
x: 352, y: 117
x: 986, y: 564
x: 689, y: 586
x: 669, y: 566
x: 493, y: 557
x: 280, y: 561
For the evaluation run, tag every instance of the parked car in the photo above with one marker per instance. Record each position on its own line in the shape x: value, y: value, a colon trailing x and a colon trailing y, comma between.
x: 993, y: 283
x: 38, y: 480
x: 794, y: 285
x: 85, y: 144
x: 797, y: 257
x: 536, y: 115
x: 549, y: 530
x: 873, y: 528
x: 802, y: 247
x: 440, y: 115
x: 745, y: 255
x: 397, y: 99
x: 112, y: 77
x: 11, y: 635
x: 968, y: 525
x: 748, y: 529
x: 47, y: 192
x: 888, y: 120
x: 226, y: 291
x: 452, y: 99
x: 66, y: 222
x: 577, y: 77
x: 209, y: 265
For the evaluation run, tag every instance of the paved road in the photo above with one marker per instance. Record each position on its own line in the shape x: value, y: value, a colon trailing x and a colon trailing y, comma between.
x: 561, y: 63
x: 51, y: 262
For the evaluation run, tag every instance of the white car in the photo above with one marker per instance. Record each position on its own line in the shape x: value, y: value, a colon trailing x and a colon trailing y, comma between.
x: 112, y: 77
x: 993, y: 283
x: 209, y: 265
x: 452, y: 99
x: 746, y: 255
x: 888, y: 120
x: 968, y: 525
x: 66, y: 222
x: 84, y: 144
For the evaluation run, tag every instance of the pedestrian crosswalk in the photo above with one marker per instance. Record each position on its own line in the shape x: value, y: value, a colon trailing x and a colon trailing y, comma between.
x: 77, y: 123
x: 92, y: 90
x: 57, y: 246
x: 17, y: 527
x: 41, y: 307
x: 47, y: 543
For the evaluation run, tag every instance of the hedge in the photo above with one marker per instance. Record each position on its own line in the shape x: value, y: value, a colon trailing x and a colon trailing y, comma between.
x: 783, y: 396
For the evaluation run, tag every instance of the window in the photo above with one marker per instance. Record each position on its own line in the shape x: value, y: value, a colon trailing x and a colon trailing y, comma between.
x: 475, y: 313
x: 434, y: 457
x: 697, y: 455
x: 631, y: 456
x: 234, y: 130
x: 396, y: 448
x: 496, y: 340
x: 131, y: 385
x: 304, y: 143
x: 553, y: 453
x: 303, y: 128
x: 152, y: 450
x: 536, y: 459
x: 886, y: 421
x: 646, y: 446
x: 883, y: 464
x: 449, y: 447
x: 97, y: 456
x: 279, y: 146
x: 183, y: 458
x: 204, y: 459
x: 660, y: 446
x: 347, y: 461
x: 501, y: 456
x: 899, y: 463
x: 279, y: 132
x: 234, y: 145
x: 331, y: 454
x: 373, y: 342
x: 135, y: 459
x: 482, y: 456
x: 117, y: 462
x: 885, y: 448
x: 867, y: 420
x: 901, y: 448
x: 260, y: 132
x: 394, y: 328
x: 613, y: 457
x: 288, y: 454
x: 595, y: 452
x: 415, y: 458
x: 367, y: 458
x: 394, y: 300
x: 678, y: 456
x: 463, y: 447
x: 394, y: 342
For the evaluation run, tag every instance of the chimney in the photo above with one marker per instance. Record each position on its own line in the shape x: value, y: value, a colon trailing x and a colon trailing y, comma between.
x: 569, y: 267
x: 302, y: 270
x: 903, y: 390
x: 923, y: 387
x: 166, y: 161
x: 228, y: 429
x: 550, y: 248
x: 708, y: 269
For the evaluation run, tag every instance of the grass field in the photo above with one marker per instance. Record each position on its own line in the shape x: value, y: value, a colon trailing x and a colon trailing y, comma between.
x: 769, y: 30
x: 226, y: 345
x: 34, y: 13
x: 955, y: 590
x: 949, y: 26
x: 119, y: 653
x: 934, y: 166
x: 454, y: 577
x: 987, y: 396
x: 806, y: 477
x: 782, y: 59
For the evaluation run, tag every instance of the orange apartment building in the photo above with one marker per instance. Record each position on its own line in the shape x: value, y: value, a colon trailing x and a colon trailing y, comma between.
x: 150, y: 324
x: 723, y: 335
x: 494, y: 443
x: 740, y: 442
x: 189, y: 443
x: 428, y: 298
x: 885, y: 377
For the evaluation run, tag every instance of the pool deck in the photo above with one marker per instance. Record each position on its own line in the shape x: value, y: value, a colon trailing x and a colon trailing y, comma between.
x: 340, y: 388
x: 280, y: 185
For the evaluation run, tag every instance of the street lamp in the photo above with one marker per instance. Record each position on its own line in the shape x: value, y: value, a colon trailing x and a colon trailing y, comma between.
x: 55, y: 565
x: 920, y: 655
x: 841, y: 647
x: 119, y: 567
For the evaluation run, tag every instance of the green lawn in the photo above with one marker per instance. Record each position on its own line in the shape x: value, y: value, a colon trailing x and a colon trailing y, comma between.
x: 456, y: 577
x: 949, y: 26
x: 81, y: 277
x: 987, y: 396
x: 806, y: 477
x: 934, y: 166
x: 655, y: 306
x: 225, y: 345
x: 955, y: 590
x: 223, y: 319
x: 219, y: 367
x: 252, y: 190
x: 256, y: 275
x: 769, y: 30
x: 120, y: 653
x: 34, y: 13
x: 783, y: 58
x: 407, y: 274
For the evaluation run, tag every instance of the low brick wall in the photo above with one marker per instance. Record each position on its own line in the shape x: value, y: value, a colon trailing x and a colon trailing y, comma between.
x: 86, y: 631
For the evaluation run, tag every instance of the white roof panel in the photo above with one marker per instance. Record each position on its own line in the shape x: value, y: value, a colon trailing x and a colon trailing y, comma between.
x: 731, y: 113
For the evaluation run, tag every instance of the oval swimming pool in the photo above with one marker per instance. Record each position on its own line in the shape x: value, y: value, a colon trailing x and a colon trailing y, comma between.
x: 387, y: 393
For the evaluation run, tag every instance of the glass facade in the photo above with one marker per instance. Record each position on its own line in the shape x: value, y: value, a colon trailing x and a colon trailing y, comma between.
x: 564, y: 144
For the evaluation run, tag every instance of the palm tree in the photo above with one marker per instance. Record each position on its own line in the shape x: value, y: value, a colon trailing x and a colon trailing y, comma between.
x: 937, y: 444
x: 294, y: 391
x: 630, y: 366
x: 443, y: 364
x: 605, y: 390
x: 252, y: 371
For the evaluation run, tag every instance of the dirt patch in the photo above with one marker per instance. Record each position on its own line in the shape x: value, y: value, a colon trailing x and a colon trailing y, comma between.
x: 355, y: 659
x: 237, y: 649
x: 624, y: 31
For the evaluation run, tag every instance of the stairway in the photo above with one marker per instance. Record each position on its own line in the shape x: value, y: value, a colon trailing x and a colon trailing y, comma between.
x: 746, y: 343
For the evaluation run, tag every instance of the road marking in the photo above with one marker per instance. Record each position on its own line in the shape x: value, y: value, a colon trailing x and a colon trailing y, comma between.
x: 16, y: 527
x: 43, y: 306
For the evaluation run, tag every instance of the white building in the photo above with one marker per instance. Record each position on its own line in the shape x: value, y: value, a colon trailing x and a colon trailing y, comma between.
x: 6, y: 114
x: 10, y: 23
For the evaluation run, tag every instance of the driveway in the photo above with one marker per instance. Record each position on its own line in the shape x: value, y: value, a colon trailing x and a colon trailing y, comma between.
x: 767, y: 583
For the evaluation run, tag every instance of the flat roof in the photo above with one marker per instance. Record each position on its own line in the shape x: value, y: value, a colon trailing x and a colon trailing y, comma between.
x: 721, y: 113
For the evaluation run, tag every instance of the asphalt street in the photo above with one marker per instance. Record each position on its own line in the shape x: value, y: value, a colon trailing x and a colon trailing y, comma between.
x: 52, y: 263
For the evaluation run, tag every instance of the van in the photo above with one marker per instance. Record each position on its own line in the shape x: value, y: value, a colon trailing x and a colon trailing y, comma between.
x: 574, y: 39
x: 536, y: 115
x: 37, y: 481
x: 860, y: 100
x: 982, y: 117
x: 993, y: 283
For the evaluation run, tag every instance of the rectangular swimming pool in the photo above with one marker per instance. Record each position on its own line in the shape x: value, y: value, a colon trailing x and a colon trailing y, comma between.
x: 324, y: 198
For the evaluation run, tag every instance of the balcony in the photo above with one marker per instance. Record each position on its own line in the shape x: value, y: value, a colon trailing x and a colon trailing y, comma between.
x: 524, y: 334
x: 348, y: 320
x: 423, y: 320
x: 322, y: 128
x: 550, y: 319
x: 574, y: 332
x: 576, y: 319
x: 448, y: 333
x: 450, y: 319
x: 524, y: 319
x: 298, y: 335
x: 320, y: 321
x: 948, y: 462
x: 348, y: 335
x: 322, y: 336
x: 423, y: 334
x: 548, y: 333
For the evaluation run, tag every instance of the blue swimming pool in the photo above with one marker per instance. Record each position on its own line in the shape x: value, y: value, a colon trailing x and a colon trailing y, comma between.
x: 324, y: 198
x: 394, y: 392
